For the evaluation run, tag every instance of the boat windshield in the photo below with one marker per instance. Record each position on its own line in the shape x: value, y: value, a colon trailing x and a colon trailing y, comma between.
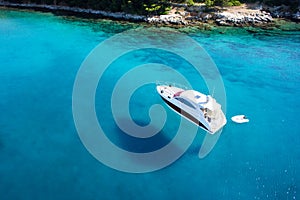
x: 186, y: 102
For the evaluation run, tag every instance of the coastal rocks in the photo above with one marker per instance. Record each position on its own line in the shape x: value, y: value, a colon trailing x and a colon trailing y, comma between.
x: 242, y: 18
x: 283, y: 12
x: 229, y: 16
x: 279, y: 11
x: 205, y: 17
x: 77, y: 11
x: 296, y: 16
x: 174, y: 19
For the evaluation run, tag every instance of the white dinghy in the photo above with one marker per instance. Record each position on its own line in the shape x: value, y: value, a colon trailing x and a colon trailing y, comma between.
x: 240, y: 119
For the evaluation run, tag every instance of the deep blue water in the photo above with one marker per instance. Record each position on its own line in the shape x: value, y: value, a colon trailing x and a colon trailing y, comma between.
x: 42, y: 156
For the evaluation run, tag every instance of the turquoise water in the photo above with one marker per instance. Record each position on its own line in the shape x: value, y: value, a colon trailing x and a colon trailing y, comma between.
x: 42, y: 156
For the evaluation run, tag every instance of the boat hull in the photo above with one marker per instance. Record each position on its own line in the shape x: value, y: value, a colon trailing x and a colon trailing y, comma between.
x: 185, y: 114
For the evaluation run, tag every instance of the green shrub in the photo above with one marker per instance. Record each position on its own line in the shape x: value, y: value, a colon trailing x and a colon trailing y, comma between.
x: 236, y: 3
x: 209, y: 3
x: 190, y: 2
x: 229, y: 3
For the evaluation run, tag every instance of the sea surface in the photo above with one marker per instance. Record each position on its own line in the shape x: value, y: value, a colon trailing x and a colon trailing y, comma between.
x: 42, y: 156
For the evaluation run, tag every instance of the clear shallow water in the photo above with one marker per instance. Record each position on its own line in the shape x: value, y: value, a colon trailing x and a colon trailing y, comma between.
x: 42, y: 156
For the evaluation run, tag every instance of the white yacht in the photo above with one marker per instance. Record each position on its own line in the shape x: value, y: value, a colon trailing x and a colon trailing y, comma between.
x: 201, y: 109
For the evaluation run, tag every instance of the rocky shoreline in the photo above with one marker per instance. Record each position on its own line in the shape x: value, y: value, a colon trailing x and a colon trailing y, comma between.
x: 180, y: 15
x: 237, y: 19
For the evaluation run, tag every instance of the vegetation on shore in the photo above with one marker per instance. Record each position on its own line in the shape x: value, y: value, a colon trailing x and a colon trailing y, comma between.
x: 291, y: 3
x: 146, y: 7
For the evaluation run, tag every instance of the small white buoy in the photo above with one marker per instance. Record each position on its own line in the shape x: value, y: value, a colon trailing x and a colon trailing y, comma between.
x: 240, y: 119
